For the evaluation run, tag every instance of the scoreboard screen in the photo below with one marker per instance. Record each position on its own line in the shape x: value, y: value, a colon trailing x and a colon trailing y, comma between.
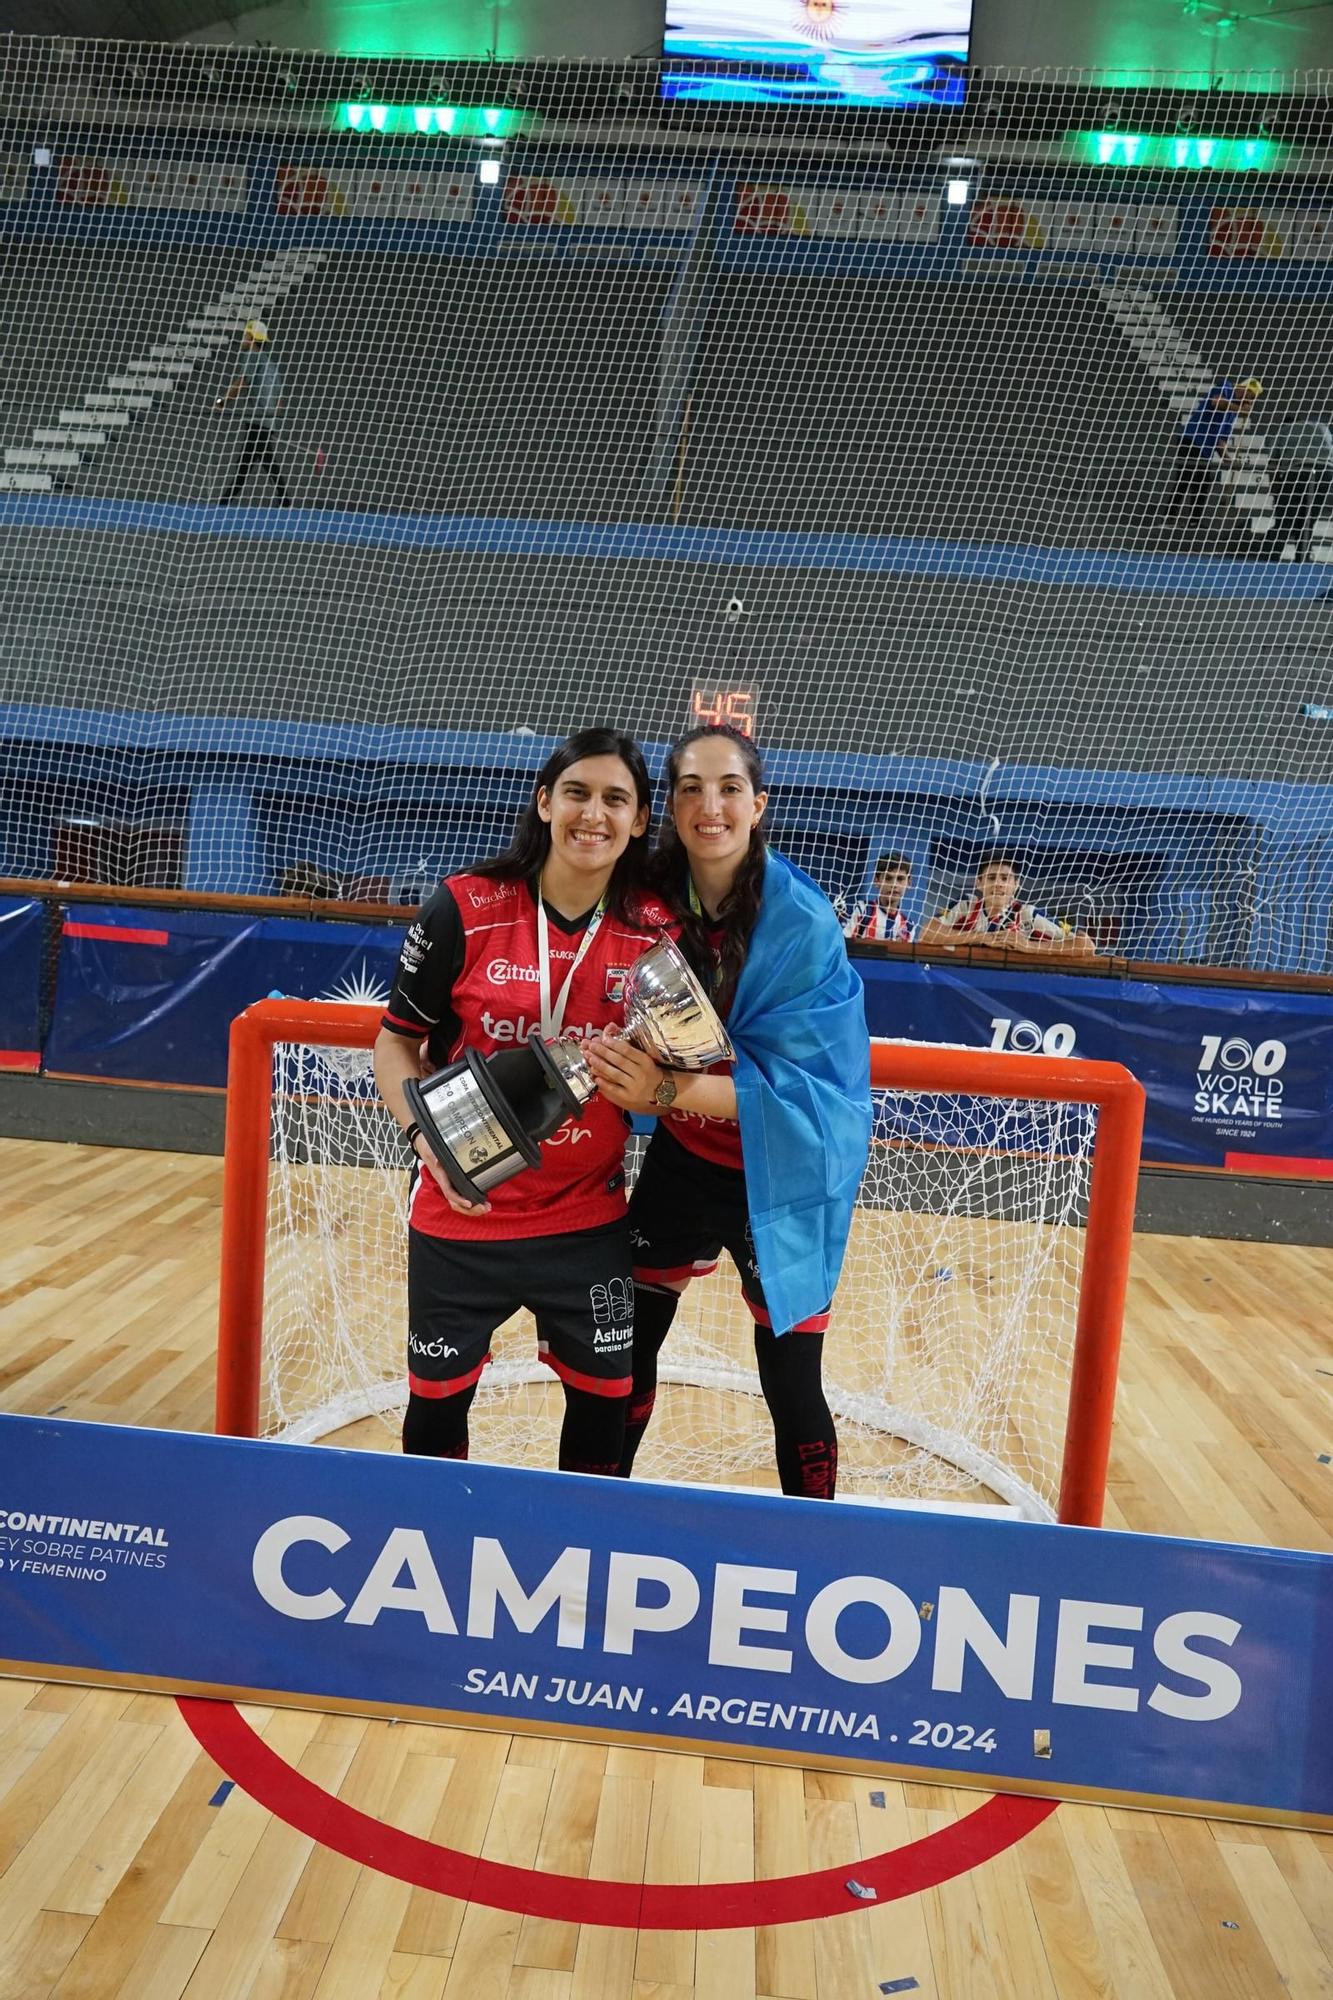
x: 821, y: 52
x: 713, y: 703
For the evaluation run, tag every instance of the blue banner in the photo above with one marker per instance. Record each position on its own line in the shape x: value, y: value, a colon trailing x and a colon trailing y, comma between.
x: 21, y: 937
x: 1019, y: 1656
x: 148, y: 996
x: 1237, y: 1078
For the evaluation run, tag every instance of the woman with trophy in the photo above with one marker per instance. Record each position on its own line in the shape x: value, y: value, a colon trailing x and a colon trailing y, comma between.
x: 509, y: 968
x: 763, y: 1156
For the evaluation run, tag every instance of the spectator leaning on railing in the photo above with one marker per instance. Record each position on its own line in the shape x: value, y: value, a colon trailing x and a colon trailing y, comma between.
x: 997, y: 916
x: 882, y: 916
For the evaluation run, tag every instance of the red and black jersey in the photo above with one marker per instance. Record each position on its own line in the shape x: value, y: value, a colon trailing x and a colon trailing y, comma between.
x: 715, y: 1139
x: 468, y: 977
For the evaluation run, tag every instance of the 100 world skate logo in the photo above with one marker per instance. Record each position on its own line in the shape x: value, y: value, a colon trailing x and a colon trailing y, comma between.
x: 1027, y: 1038
x: 1237, y: 1080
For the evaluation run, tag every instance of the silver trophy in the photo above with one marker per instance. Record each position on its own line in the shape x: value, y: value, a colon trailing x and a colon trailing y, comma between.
x: 484, y: 1117
x: 669, y: 1015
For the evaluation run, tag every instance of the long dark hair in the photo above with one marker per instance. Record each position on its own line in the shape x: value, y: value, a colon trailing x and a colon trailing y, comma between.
x: 739, y: 909
x: 525, y: 856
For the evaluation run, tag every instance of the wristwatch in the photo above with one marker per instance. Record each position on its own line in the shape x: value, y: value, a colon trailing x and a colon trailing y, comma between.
x: 665, y: 1094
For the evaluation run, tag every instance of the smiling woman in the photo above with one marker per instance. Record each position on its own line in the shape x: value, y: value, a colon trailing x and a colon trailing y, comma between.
x: 508, y: 950
x: 763, y: 1158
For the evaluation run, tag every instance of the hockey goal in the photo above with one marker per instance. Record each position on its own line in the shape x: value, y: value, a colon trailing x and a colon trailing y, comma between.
x: 973, y: 1347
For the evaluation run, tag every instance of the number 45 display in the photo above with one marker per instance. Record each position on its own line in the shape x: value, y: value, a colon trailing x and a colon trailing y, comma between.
x: 711, y: 705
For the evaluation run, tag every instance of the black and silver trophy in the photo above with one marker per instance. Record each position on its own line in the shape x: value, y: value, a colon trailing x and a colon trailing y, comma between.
x: 484, y: 1117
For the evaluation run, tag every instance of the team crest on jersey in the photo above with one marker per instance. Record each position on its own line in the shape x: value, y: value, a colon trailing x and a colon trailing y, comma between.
x: 613, y: 1301
x: 616, y: 975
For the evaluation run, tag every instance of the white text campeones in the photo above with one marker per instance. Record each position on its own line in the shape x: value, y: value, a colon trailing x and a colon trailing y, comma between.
x: 1089, y: 1670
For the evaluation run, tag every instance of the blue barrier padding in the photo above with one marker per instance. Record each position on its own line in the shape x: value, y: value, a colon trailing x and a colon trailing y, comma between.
x: 21, y: 939
x: 148, y: 996
x: 1236, y: 1078
x: 1158, y: 1669
x: 638, y: 541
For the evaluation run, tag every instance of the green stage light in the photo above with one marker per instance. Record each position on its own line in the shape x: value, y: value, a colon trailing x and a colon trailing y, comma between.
x: 1207, y: 154
x: 426, y: 120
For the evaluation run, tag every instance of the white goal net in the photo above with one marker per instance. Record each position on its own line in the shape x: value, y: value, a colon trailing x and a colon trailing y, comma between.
x: 950, y: 1356
x: 574, y: 403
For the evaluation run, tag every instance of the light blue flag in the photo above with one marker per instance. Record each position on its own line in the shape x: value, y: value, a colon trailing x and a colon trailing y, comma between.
x: 802, y: 1080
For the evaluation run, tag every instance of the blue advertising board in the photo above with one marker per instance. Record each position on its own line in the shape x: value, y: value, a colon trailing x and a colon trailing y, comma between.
x: 22, y: 932
x: 148, y: 996
x: 1237, y: 1078
x: 1008, y: 1654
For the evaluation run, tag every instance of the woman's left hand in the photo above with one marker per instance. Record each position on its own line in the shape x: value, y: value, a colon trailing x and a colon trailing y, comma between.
x: 624, y: 1073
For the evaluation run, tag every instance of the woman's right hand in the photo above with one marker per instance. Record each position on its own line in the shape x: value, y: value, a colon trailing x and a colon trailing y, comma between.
x: 430, y: 1165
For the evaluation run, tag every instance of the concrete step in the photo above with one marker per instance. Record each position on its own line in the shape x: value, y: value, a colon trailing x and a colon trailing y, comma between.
x: 182, y: 353
x: 159, y: 384
x: 214, y: 322
x: 81, y: 440
x: 105, y: 419
x: 25, y: 482
x: 53, y: 460
x: 120, y: 401
x: 158, y: 366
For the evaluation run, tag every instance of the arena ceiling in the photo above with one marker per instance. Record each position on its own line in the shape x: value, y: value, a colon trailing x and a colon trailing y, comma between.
x: 116, y: 20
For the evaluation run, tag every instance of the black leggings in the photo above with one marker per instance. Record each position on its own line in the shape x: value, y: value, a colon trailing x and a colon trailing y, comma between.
x: 1195, y: 476
x: 790, y: 1376
x: 592, y: 1436
x: 258, y: 445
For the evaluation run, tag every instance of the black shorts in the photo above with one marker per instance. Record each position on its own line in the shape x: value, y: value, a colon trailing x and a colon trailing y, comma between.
x: 683, y: 1213
x: 578, y: 1287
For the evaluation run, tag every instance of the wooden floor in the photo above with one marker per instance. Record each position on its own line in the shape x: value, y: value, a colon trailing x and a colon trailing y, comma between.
x: 129, y: 1872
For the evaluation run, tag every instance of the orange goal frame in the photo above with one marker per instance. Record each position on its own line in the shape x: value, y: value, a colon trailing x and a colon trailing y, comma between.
x: 1108, y: 1234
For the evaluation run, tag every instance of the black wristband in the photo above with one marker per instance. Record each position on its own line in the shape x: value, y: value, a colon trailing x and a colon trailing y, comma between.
x: 411, y: 1134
